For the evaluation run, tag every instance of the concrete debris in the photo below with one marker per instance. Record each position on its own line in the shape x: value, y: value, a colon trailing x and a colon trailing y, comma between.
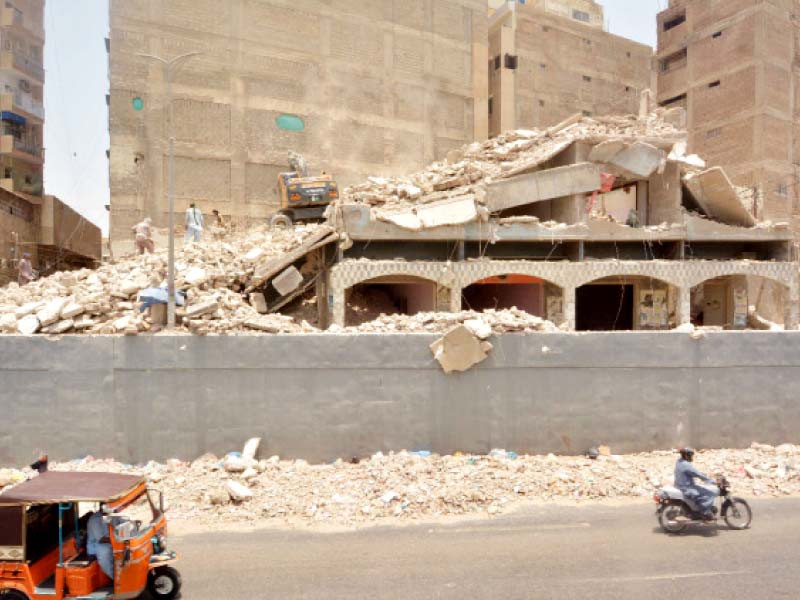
x: 259, y: 302
x: 428, y: 486
x: 478, y: 165
x: 499, y: 321
x: 543, y: 185
x: 460, y: 350
x: 639, y: 159
x: 215, y: 275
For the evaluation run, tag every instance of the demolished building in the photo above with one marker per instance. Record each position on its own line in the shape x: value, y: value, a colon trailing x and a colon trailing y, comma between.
x: 595, y: 224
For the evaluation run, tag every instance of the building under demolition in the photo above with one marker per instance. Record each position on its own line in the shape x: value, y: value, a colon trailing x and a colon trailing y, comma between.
x: 595, y: 224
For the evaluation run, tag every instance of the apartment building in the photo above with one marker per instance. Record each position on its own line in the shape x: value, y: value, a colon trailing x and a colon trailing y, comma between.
x: 732, y: 65
x: 550, y: 59
x: 360, y: 88
x: 22, y: 40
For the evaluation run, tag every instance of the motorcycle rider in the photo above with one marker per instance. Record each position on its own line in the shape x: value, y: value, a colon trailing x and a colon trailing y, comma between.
x: 685, y: 474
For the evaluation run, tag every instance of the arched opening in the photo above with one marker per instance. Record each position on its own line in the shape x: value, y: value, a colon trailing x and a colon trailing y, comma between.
x: 625, y: 303
x: 531, y: 294
x: 738, y: 302
x: 389, y: 295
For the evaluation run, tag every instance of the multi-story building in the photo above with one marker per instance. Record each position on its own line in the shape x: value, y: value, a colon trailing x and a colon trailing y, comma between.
x: 361, y: 88
x: 732, y: 65
x: 550, y: 59
x: 21, y: 95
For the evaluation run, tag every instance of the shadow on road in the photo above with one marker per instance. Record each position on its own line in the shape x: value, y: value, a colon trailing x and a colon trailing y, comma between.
x: 694, y: 530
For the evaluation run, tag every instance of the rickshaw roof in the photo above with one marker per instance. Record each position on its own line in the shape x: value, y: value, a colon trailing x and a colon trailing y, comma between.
x: 53, y: 486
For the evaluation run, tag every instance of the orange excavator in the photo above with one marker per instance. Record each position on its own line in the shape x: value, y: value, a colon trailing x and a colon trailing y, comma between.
x: 303, y: 198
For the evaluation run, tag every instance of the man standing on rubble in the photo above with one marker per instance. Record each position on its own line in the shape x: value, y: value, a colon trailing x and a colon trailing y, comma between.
x: 26, y: 274
x: 144, y: 236
x: 194, y: 223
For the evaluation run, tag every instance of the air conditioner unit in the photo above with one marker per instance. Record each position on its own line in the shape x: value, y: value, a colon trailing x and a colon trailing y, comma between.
x: 24, y: 85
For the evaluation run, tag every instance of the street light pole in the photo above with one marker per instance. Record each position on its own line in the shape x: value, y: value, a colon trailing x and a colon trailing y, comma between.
x: 170, y: 67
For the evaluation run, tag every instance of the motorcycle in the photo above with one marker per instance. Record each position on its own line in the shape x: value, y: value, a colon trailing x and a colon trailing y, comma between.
x: 676, y: 512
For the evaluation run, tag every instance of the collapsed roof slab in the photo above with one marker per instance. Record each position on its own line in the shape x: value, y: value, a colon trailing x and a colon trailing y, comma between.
x: 452, y: 211
x: 543, y: 185
x: 718, y: 198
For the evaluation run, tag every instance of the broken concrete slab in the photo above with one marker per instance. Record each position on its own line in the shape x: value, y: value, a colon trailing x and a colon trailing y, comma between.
x: 718, y: 198
x: 605, y: 151
x: 459, y: 350
x: 72, y: 310
x: 202, y: 308
x: 51, y: 312
x: 59, y: 328
x: 559, y: 182
x: 639, y: 159
x: 288, y: 281
x: 458, y: 210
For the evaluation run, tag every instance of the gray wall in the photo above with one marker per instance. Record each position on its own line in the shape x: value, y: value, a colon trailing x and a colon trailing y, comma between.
x: 323, y: 397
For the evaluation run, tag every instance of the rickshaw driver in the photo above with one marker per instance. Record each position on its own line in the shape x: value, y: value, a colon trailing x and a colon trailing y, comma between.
x: 98, y: 544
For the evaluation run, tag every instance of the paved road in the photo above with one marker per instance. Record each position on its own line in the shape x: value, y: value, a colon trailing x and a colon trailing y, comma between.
x: 598, y: 552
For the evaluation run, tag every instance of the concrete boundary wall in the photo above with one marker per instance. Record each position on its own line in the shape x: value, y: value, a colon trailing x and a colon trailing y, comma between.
x: 321, y: 397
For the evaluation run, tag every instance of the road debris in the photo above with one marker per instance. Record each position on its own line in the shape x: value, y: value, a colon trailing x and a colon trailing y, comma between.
x: 428, y: 486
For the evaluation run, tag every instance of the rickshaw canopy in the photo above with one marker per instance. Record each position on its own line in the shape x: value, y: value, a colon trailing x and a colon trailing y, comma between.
x: 61, y: 487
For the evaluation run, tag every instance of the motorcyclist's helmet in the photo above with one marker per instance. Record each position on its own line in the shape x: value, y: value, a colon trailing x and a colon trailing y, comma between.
x: 687, y: 454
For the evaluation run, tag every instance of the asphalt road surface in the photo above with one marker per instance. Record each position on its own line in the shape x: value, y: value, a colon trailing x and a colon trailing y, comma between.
x: 597, y: 552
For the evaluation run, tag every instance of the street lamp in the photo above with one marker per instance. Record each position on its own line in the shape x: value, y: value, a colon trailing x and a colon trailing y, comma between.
x: 171, y: 67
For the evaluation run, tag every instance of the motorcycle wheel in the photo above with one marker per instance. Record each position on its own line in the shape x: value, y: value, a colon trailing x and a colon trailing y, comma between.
x: 737, y: 513
x: 668, y: 518
x: 164, y: 582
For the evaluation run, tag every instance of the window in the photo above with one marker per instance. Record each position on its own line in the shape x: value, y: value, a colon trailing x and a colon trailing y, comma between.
x: 675, y: 21
x: 542, y: 66
x: 541, y: 102
x: 511, y: 61
x: 629, y: 54
x: 587, y: 42
x: 783, y: 189
x: 713, y: 133
x: 627, y: 88
x: 491, y: 105
x: 580, y: 15
x: 587, y: 113
x: 714, y: 84
x: 674, y: 61
x: 497, y: 62
x: 717, y: 35
x: 545, y: 28
x: 587, y: 78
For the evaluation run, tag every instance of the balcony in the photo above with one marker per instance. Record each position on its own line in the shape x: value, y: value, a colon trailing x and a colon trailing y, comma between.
x: 15, y: 19
x: 22, y: 149
x: 10, y: 59
x: 17, y: 102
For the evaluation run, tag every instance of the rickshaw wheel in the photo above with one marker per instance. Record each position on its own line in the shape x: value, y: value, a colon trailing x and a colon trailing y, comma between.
x: 164, y: 582
x: 12, y: 595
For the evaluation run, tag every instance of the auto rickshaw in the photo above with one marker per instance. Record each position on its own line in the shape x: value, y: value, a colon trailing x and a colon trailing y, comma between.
x: 42, y: 539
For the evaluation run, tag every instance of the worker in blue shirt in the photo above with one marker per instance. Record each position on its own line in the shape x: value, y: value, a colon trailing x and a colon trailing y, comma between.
x: 685, y: 475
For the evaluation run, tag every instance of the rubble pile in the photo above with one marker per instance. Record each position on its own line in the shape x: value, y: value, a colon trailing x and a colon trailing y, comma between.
x: 214, y: 275
x: 407, y: 486
x: 467, y: 171
x: 498, y: 321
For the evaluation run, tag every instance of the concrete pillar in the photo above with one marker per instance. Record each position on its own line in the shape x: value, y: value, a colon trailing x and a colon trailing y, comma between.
x: 684, y: 305
x: 336, y: 299
x: 791, y: 317
x: 569, y: 307
x: 455, y: 298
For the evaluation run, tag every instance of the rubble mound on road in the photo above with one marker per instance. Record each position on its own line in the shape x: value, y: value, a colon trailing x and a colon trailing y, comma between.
x: 407, y: 486
x: 510, y: 320
x: 214, y: 274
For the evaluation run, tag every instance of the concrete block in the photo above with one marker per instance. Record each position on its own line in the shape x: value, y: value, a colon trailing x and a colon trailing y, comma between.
x: 459, y: 210
x: 543, y: 185
x: 72, y: 310
x: 459, y: 350
x: 716, y: 195
x: 259, y: 302
x: 639, y: 159
x: 288, y: 281
x: 28, y: 325
x: 51, y: 312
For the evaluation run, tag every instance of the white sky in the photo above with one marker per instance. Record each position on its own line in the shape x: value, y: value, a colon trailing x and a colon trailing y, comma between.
x: 76, y: 65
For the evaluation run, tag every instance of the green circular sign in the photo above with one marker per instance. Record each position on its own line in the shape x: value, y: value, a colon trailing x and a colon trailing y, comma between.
x: 290, y: 123
x: 138, y: 103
